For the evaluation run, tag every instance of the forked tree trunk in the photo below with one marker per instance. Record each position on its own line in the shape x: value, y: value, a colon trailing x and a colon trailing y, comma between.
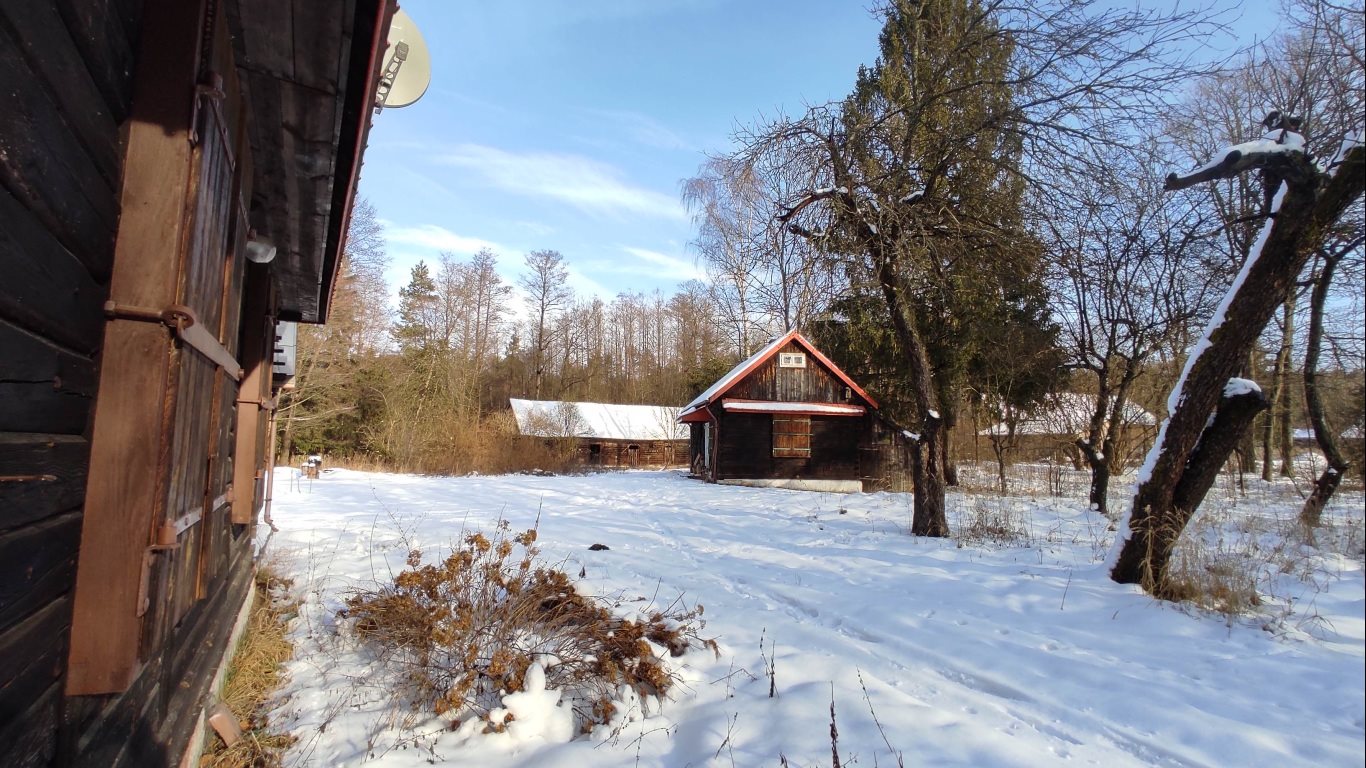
x: 1311, y: 515
x: 1100, y: 475
x: 1310, y: 204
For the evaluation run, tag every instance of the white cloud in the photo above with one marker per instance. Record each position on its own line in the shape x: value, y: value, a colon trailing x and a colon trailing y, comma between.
x: 662, y: 264
x: 436, y: 238
x: 582, y: 182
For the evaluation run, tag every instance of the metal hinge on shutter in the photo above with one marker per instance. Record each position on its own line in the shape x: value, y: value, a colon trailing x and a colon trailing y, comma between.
x: 185, y: 323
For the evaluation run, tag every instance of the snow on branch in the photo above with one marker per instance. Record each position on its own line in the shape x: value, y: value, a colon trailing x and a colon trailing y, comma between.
x: 1283, y: 139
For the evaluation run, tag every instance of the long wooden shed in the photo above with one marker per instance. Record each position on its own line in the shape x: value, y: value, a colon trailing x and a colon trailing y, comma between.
x: 607, y: 435
x: 147, y: 148
x: 789, y: 417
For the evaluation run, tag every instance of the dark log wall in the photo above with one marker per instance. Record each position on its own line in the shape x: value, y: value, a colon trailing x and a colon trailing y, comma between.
x: 625, y: 454
x: 151, y: 623
x: 65, y: 90
x: 745, y: 450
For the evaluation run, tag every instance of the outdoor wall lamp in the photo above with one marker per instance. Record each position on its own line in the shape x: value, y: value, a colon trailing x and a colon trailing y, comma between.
x: 260, y: 250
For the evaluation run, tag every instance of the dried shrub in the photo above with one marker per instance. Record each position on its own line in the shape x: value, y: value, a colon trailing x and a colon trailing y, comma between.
x: 467, y: 630
x: 993, y: 522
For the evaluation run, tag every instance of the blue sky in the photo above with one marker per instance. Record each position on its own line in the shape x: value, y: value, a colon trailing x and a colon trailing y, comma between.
x: 569, y: 124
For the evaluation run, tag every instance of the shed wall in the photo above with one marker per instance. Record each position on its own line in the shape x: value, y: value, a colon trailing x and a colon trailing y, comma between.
x: 79, y: 133
x: 66, y: 70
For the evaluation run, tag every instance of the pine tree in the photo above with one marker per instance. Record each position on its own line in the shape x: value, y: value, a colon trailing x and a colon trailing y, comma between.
x: 416, y: 329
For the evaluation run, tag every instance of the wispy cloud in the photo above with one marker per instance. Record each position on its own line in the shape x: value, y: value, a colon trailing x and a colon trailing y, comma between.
x: 642, y: 129
x: 586, y: 184
x: 648, y: 262
x: 436, y: 238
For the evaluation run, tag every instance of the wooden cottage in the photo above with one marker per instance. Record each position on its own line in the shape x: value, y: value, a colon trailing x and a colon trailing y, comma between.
x: 607, y: 434
x: 788, y: 417
x: 175, y: 176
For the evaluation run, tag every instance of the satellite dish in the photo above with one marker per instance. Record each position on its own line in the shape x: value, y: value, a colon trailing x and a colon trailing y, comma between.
x: 407, y: 66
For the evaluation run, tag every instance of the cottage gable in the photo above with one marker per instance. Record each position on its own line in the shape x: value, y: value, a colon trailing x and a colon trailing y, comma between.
x: 788, y: 369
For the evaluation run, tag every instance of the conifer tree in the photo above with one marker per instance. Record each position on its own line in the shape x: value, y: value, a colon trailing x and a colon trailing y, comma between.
x: 416, y: 329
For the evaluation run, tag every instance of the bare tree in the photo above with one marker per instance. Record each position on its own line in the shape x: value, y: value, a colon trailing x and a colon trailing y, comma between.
x: 547, y: 295
x: 1125, y: 273
x: 918, y: 176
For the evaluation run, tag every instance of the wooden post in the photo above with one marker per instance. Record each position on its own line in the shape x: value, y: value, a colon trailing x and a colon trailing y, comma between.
x: 257, y: 336
x: 126, y: 491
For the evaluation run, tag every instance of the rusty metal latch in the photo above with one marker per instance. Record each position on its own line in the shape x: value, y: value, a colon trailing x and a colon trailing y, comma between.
x: 185, y: 323
x: 145, y: 582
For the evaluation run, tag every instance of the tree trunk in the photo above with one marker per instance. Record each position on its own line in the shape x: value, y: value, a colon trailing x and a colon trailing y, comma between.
x: 930, y: 517
x: 1145, y: 557
x: 1311, y: 515
x: 1309, y: 205
x: 1100, y: 476
x: 1247, y: 447
x: 1281, y: 405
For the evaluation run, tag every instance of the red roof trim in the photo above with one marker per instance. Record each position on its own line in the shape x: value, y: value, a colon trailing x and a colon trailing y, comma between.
x: 777, y: 406
x: 698, y: 416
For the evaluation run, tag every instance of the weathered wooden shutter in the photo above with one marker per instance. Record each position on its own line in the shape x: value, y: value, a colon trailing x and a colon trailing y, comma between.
x: 156, y: 531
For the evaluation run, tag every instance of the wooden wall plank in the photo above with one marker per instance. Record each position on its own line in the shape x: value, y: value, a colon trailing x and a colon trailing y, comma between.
x: 46, y: 45
x: 98, y: 28
x: 29, y: 741
x: 46, y: 289
x: 257, y: 338
x: 31, y: 657
x: 35, y: 566
x: 44, y: 166
x: 40, y: 476
x: 43, y: 388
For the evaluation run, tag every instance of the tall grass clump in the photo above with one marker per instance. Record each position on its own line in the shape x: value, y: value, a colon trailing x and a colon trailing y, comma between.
x: 255, y: 673
x: 467, y: 630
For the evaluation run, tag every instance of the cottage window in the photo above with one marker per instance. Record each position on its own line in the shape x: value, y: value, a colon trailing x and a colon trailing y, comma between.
x: 791, y: 437
x: 792, y: 360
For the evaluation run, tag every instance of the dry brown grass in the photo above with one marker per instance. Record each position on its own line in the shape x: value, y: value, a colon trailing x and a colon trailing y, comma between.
x: 465, y: 632
x: 998, y: 522
x: 253, y: 675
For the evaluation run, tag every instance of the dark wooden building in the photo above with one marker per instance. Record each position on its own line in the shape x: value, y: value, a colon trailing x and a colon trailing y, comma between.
x: 147, y: 149
x: 789, y: 417
x: 607, y: 435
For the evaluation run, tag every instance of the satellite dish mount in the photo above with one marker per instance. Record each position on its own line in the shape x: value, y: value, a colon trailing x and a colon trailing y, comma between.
x: 407, y: 66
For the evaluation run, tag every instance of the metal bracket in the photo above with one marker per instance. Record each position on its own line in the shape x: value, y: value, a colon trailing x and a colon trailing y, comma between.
x: 390, y: 74
x: 185, y: 323
x: 145, y: 581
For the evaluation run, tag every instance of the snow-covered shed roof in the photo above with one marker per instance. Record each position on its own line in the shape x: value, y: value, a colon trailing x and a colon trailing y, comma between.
x: 605, y: 421
x: 1068, y: 413
x: 723, y: 384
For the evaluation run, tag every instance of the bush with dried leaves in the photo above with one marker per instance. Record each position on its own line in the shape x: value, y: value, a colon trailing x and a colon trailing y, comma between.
x: 466, y: 631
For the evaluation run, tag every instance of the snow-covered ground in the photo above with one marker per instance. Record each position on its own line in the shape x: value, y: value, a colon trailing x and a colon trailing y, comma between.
x: 971, y: 655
